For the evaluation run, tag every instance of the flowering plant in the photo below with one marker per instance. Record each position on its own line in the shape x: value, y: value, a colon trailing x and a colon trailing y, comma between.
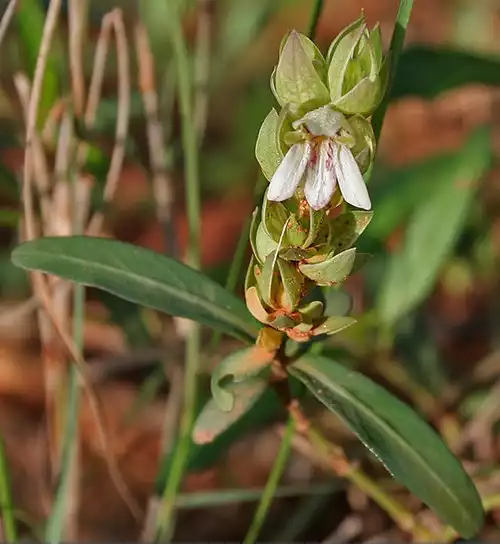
x: 314, y: 152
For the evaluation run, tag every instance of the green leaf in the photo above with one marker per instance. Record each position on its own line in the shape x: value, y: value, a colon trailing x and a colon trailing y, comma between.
x: 428, y: 71
x: 433, y: 231
x: 238, y: 367
x: 404, y: 190
x: 139, y: 275
x: 267, y: 150
x: 333, y: 270
x: 213, y: 420
x: 410, y: 450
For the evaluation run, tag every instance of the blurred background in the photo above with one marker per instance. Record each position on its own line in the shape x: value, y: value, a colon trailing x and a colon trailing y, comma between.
x: 428, y: 301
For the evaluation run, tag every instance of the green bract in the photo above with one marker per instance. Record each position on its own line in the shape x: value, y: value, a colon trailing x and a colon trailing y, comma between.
x: 357, y: 69
x: 299, y: 78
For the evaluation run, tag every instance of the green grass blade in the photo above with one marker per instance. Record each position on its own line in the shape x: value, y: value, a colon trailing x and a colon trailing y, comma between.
x: 396, y: 48
x: 271, y: 484
x: 6, y: 504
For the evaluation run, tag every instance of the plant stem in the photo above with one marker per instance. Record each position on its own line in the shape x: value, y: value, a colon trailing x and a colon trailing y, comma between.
x: 165, y: 521
x: 396, y: 48
x: 6, y: 505
x: 271, y: 484
x: 316, y: 14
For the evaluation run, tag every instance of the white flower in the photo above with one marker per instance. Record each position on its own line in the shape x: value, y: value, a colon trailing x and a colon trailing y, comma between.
x: 324, y: 161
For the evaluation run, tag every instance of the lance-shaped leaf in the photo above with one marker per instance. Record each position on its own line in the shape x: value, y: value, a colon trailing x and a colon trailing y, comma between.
x: 333, y: 270
x: 433, y: 229
x: 213, y: 421
x: 235, y: 368
x: 141, y: 276
x: 410, y: 450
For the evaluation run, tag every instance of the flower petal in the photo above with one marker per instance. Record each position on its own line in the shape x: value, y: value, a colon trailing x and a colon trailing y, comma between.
x: 323, y: 121
x: 287, y: 177
x: 321, y: 180
x: 351, y: 182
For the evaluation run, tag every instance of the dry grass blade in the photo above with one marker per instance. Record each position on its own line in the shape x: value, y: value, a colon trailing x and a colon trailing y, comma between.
x: 77, y: 10
x: 33, y: 158
x: 162, y: 185
x: 113, y: 20
x: 40, y: 286
x: 42, y: 178
x: 95, y: 406
x: 34, y: 101
x: 175, y: 377
x: 7, y: 16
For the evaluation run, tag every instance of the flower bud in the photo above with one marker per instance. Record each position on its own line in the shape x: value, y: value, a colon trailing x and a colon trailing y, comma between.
x: 357, y: 69
x: 299, y: 79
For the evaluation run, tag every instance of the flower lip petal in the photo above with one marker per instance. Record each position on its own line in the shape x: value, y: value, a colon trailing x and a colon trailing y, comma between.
x: 287, y: 177
x: 322, y: 121
x: 321, y: 179
x: 351, y: 182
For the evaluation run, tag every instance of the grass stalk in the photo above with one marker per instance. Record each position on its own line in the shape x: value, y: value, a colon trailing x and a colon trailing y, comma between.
x: 396, y: 48
x: 6, y: 504
x: 166, y: 515
x: 271, y: 484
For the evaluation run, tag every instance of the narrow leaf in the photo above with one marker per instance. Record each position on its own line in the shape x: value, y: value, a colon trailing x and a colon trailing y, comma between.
x: 410, y: 450
x: 139, y: 275
x: 427, y: 71
x: 433, y: 231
